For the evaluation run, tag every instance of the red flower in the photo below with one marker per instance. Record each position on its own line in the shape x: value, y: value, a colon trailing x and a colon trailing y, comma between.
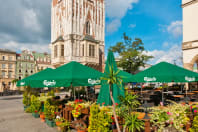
x: 79, y: 106
x: 116, y: 103
x: 80, y: 100
x: 35, y: 111
x: 103, y: 103
x: 55, y: 113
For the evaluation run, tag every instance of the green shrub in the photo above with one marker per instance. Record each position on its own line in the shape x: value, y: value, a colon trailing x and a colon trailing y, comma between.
x: 194, y: 127
x: 26, y: 99
x: 49, y: 110
x: 35, y: 104
x: 100, y: 119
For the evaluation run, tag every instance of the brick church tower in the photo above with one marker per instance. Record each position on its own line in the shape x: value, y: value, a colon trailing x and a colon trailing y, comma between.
x: 77, y: 32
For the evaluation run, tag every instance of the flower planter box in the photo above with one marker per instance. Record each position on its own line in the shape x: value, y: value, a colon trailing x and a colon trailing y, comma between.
x: 36, y: 115
x: 85, y: 111
x: 50, y: 123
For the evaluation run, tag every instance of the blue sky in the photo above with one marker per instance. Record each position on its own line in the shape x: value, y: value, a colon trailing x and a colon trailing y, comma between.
x: 157, y: 22
x: 26, y: 24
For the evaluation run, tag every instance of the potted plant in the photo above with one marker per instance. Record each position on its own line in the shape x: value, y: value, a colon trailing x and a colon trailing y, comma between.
x: 35, y: 106
x: 194, y: 127
x: 100, y: 119
x: 59, y: 120
x: 81, y: 129
x: 26, y: 100
x: 173, y: 116
x: 49, y: 111
x: 42, y: 116
x: 133, y: 124
x: 64, y: 126
x: 35, y: 114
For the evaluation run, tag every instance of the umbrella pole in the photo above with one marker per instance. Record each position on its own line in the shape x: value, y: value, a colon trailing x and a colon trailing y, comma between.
x: 74, y: 92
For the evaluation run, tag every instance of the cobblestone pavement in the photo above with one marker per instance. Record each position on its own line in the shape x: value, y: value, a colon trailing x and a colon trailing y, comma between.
x: 13, y: 118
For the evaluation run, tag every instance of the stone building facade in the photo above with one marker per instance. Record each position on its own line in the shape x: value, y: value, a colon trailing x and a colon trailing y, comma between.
x: 77, y: 32
x: 30, y: 62
x: 25, y: 65
x: 7, y: 69
x: 42, y: 60
x: 190, y: 33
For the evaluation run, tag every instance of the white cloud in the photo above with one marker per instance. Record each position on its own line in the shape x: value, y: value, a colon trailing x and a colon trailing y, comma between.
x: 113, y: 25
x: 23, y: 46
x: 132, y: 25
x: 165, y: 44
x: 172, y: 55
x: 116, y: 10
x: 175, y: 28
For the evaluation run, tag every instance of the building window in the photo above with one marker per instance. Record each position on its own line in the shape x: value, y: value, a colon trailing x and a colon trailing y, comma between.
x: 32, y: 66
x: 3, y: 57
x: 19, y: 78
x: 55, y: 51
x: 10, y: 58
x: 3, y: 74
x: 31, y: 71
x: 20, y: 71
x: 91, y: 50
x: 10, y: 66
x: 3, y: 66
x: 62, y: 50
x: 9, y: 74
x: 83, y: 48
x: 88, y: 28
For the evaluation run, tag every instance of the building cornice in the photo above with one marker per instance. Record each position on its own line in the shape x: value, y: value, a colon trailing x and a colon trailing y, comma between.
x: 190, y: 45
x: 189, y: 3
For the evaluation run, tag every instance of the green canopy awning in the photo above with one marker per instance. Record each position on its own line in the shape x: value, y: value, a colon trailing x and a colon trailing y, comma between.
x: 165, y: 72
x: 26, y: 81
x: 104, y: 95
x: 73, y: 73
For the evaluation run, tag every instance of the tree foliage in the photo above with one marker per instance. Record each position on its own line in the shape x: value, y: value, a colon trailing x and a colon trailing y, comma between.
x: 132, y: 54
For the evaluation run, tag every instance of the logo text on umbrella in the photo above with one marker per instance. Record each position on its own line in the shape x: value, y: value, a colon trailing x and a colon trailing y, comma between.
x: 22, y: 83
x: 190, y: 79
x: 49, y: 83
x: 92, y: 82
x: 149, y: 79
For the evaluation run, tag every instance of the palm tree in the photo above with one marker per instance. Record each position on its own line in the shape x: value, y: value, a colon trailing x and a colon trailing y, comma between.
x: 112, y: 78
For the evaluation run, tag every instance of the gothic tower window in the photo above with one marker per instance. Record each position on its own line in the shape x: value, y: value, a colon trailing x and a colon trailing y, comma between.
x: 88, y: 27
x: 91, y: 50
x: 83, y: 50
x: 55, y: 51
x: 62, y: 50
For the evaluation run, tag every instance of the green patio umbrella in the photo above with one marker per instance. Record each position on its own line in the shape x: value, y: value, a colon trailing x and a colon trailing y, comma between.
x: 25, y: 81
x: 104, y: 95
x: 71, y: 74
x: 165, y: 72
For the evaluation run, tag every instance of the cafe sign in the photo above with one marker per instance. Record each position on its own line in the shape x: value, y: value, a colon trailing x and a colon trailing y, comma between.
x: 49, y: 83
x: 190, y: 79
x: 150, y: 79
x: 22, y: 83
x: 94, y: 82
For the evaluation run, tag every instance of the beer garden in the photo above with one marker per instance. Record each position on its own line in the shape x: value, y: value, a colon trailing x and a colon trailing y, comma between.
x: 117, y: 107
